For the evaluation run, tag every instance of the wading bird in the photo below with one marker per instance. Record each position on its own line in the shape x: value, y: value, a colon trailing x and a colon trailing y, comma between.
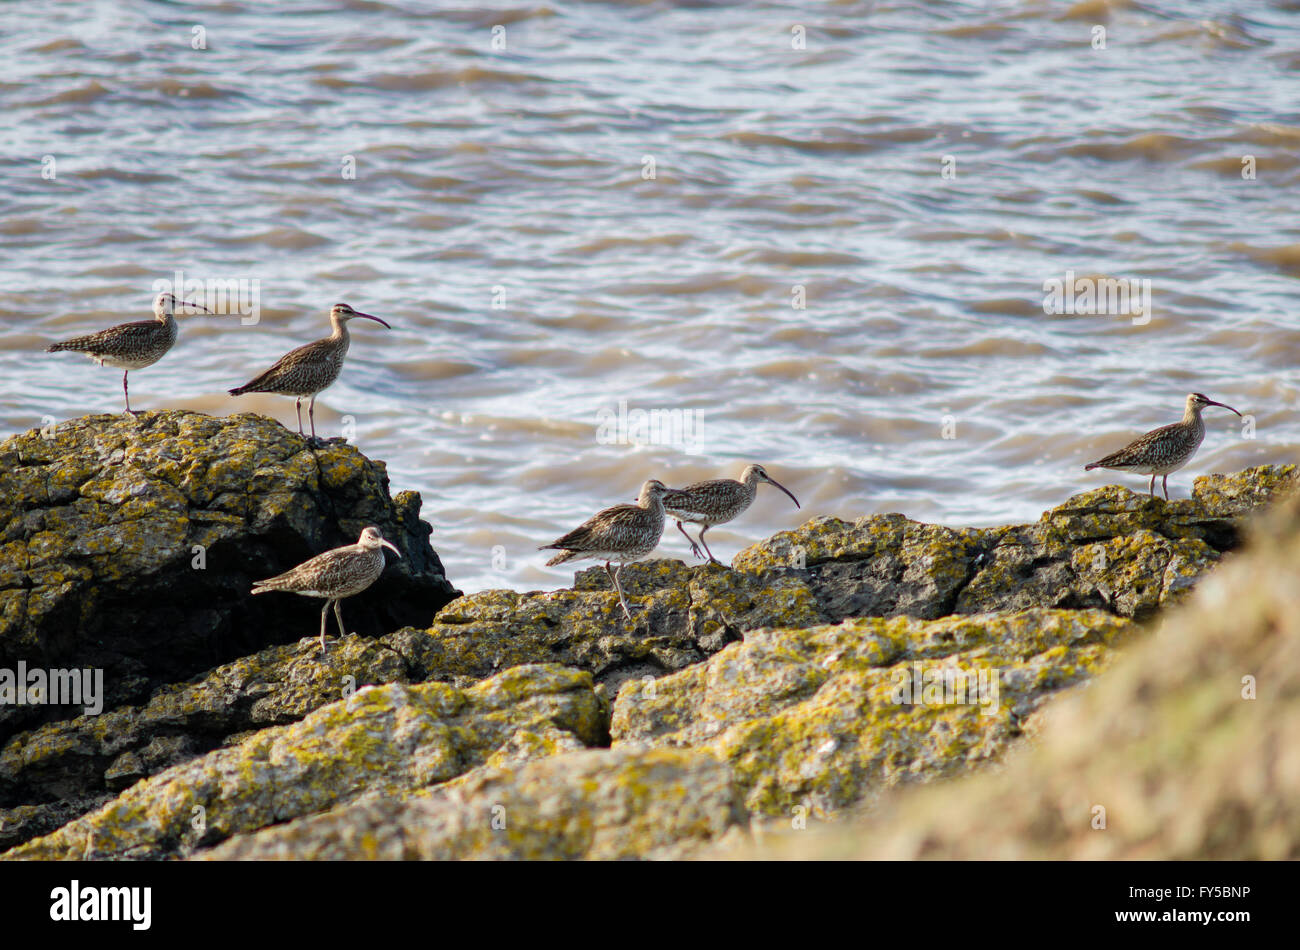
x: 1165, y: 450
x: 334, y: 575
x: 623, y: 533
x: 309, y: 369
x: 129, y: 346
x: 716, y: 502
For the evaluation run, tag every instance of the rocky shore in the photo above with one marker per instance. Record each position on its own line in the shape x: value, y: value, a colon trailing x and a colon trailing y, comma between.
x: 746, y: 710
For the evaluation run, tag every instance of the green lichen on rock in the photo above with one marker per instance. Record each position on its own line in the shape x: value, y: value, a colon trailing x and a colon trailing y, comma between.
x: 594, y: 805
x: 82, y: 760
x: 381, y: 740
x: 812, y: 718
x: 1109, y: 549
x: 682, y: 615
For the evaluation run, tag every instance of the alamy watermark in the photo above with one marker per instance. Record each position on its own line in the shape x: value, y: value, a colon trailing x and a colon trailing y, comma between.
x: 1128, y: 297
x: 946, y: 686
x: 681, y: 428
x: 52, y: 687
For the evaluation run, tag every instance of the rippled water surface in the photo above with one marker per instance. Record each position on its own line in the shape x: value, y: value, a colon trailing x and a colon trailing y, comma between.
x: 542, y: 277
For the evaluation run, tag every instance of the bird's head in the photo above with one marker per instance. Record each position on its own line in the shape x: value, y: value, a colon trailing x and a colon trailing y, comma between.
x: 756, y: 473
x: 1198, y: 401
x: 165, y: 304
x: 372, y: 540
x: 341, y: 313
x: 653, y: 488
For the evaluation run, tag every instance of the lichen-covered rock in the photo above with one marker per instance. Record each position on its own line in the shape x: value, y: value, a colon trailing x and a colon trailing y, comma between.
x: 1110, y: 549
x: 682, y: 615
x: 129, y: 544
x: 381, y: 741
x: 63, y: 769
x: 824, y: 717
x: 1187, y: 749
x: 595, y: 805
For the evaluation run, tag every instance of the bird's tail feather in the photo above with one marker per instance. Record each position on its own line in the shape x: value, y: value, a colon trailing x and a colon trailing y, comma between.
x: 559, y: 558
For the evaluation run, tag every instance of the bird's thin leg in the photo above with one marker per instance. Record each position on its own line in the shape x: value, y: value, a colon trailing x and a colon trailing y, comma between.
x: 1165, y: 481
x: 127, y: 393
x: 695, y: 548
x: 297, y: 404
x: 706, y: 547
x: 627, y: 611
x: 324, y: 612
x: 338, y: 615
x: 311, y: 414
x: 1153, y: 485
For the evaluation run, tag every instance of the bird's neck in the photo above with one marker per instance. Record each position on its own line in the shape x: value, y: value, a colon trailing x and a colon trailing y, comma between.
x: 751, y: 484
x: 340, y: 328
x: 1192, y: 415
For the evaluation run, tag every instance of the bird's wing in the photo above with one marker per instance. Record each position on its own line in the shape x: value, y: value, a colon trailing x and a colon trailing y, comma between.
x: 319, y: 572
x: 287, y: 366
x: 598, y: 530
x: 1137, y: 449
x: 708, y: 494
x: 121, y: 340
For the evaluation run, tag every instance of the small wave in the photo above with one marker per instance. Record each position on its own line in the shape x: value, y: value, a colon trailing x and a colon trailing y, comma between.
x: 290, y: 238
x: 1285, y: 259
x: 87, y: 92
x: 445, y: 78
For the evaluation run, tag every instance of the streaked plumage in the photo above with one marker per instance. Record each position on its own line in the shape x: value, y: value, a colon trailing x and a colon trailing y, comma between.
x: 134, y: 345
x: 1165, y: 450
x: 334, y: 575
x: 623, y: 533
x: 716, y: 502
x: 309, y: 369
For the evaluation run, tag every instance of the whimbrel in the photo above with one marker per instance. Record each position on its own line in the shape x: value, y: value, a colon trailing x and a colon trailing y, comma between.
x: 1164, y: 450
x: 309, y: 369
x: 334, y: 575
x: 623, y: 533
x: 135, y: 345
x: 716, y: 502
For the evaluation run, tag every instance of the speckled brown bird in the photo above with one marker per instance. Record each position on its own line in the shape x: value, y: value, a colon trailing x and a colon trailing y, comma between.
x: 334, y: 575
x: 135, y: 345
x: 716, y: 502
x: 623, y: 533
x: 309, y: 369
x: 1165, y: 450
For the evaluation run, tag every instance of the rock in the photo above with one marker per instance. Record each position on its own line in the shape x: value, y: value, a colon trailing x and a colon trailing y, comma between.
x: 742, y: 698
x: 63, y: 769
x: 1188, y: 748
x: 810, y: 719
x: 130, y: 544
x: 689, y: 613
x: 382, y: 741
x: 1109, y: 549
x: 594, y: 805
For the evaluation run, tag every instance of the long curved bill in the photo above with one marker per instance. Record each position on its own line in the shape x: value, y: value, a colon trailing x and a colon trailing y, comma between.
x: 777, y: 484
x: 370, y: 317
x: 193, y: 306
x: 392, y: 547
x: 1222, y: 405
